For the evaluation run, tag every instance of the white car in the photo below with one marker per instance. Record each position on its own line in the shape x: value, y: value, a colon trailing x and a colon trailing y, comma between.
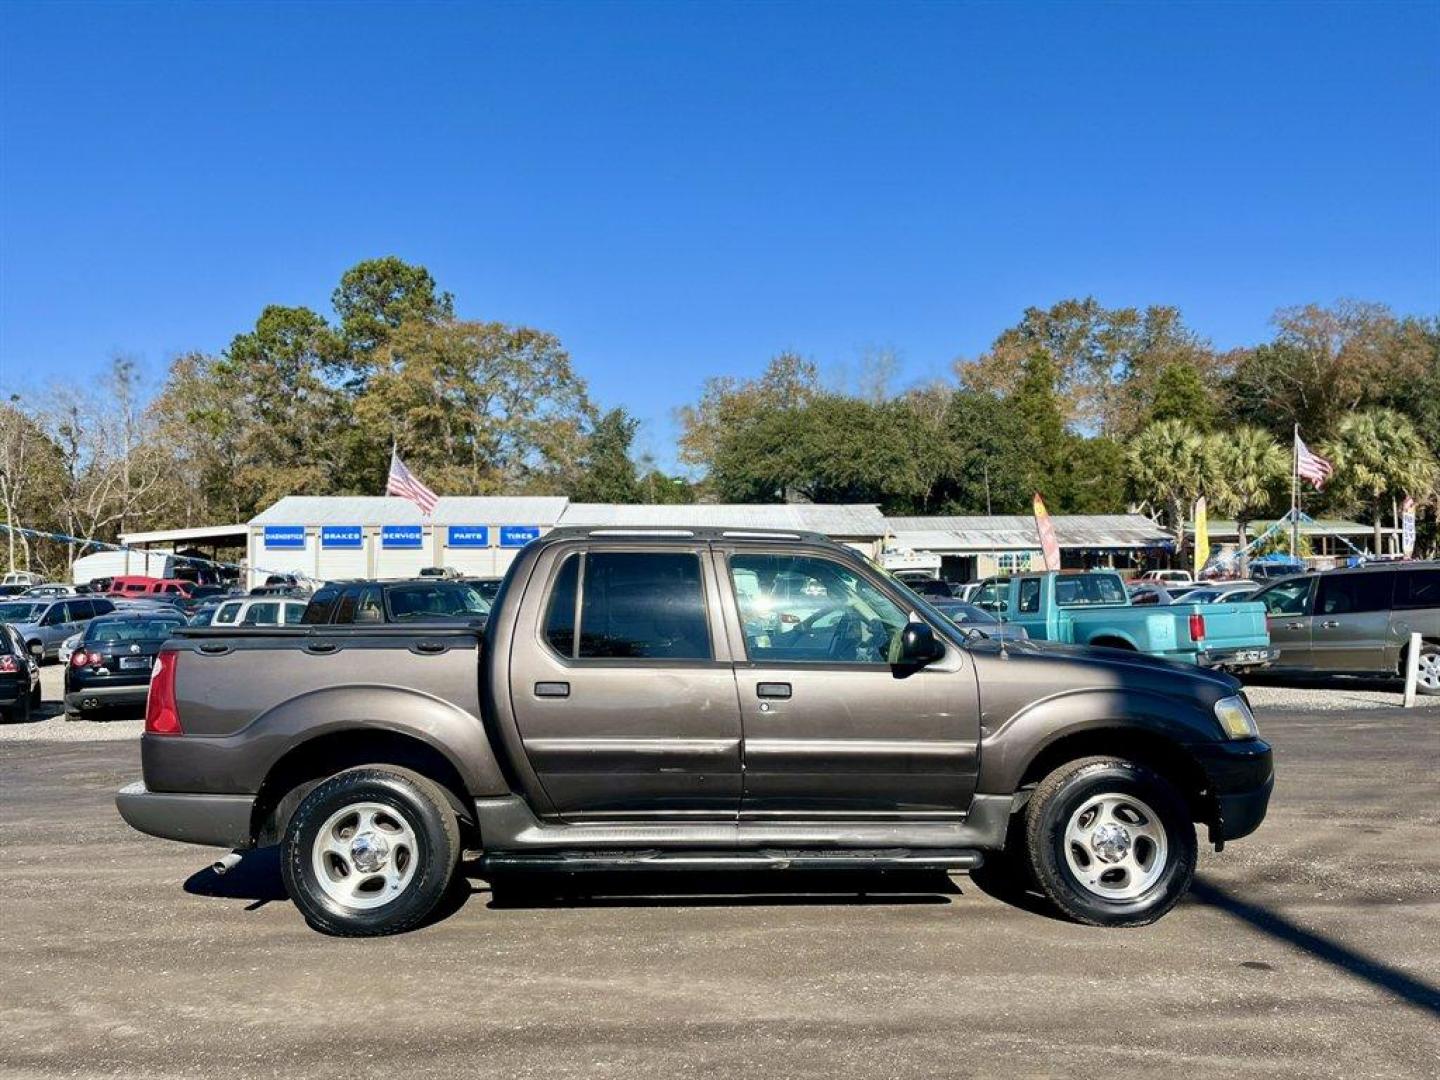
x: 1166, y: 577
x: 259, y: 611
x: 68, y: 647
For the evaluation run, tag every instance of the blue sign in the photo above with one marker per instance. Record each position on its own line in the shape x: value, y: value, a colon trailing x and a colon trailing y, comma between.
x: 341, y: 536
x: 468, y: 536
x: 285, y: 537
x: 401, y: 536
x: 513, y: 536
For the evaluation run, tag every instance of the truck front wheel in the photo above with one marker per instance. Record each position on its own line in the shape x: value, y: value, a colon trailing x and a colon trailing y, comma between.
x: 370, y: 851
x: 1110, y: 841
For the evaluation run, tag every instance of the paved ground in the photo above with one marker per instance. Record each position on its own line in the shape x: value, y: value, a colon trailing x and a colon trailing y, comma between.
x: 1310, y: 950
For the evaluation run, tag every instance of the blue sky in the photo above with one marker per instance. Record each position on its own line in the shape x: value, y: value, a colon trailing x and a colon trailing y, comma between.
x: 680, y: 190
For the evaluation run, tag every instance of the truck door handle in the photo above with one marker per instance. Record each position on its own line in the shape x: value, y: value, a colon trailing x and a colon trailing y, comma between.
x: 429, y: 647
x: 552, y: 689
x: 320, y: 647
x: 1295, y: 626
x: 1329, y: 624
x: 779, y: 690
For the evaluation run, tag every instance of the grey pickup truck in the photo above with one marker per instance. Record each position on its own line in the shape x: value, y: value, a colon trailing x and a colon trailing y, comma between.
x: 692, y: 699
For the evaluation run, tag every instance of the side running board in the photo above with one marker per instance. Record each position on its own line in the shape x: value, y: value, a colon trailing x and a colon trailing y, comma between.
x: 771, y: 859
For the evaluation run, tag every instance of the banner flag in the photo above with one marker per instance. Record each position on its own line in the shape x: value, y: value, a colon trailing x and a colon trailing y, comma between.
x: 1202, y: 536
x: 1407, y: 526
x: 1049, y: 546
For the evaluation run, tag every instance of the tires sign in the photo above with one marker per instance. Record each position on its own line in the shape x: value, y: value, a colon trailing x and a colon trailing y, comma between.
x: 517, y: 536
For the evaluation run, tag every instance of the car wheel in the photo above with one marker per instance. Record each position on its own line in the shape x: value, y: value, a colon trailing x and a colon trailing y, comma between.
x: 370, y: 851
x: 19, y: 713
x: 1110, y: 842
x: 1427, y: 670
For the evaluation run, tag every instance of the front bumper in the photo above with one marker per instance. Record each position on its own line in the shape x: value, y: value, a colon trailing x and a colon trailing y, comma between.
x: 1233, y: 659
x: 217, y: 820
x: 1240, y: 776
x: 104, y: 697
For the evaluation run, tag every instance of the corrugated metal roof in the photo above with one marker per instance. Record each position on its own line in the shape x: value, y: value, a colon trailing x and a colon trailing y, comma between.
x: 832, y: 520
x: 1318, y: 527
x: 389, y: 510
x: 1017, y: 532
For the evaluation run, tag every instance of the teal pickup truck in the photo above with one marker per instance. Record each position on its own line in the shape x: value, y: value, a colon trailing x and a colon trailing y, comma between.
x: 1092, y: 608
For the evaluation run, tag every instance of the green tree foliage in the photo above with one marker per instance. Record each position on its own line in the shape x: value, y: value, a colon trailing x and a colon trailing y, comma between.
x: 1250, y: 469
x: 608, y: 472
x: 1171, y: 465
x: 1180, y: 393
x: 1378, y: 455
x: 727, y: 405
x: 376, y: 296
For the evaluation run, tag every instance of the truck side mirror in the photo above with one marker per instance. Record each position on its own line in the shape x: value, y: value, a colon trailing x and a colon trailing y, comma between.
x: 918, y: 646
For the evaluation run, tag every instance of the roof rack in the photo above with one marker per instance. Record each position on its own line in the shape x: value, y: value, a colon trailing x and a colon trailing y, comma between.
x: 641, y: 532
x: 758, y: 534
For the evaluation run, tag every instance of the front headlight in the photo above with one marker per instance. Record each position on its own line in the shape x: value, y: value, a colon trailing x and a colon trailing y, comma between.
x: 1236, y: 719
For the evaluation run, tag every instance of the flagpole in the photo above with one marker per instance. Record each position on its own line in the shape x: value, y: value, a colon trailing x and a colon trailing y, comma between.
x: 1295, y: 494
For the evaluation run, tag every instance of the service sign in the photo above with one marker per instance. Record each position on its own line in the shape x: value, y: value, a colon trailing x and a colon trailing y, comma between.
x: 401, y: 536
x: 514, y: 536
x: 285, y: 537
x: 347, y: 537
x: 468, y: 536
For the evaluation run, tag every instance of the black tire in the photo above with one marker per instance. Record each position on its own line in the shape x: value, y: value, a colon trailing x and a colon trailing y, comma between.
x: 19, y: 713
x: 1429, y: 654
x: 420, y: 805
x: 1063, y: 795
x: 36, y: 700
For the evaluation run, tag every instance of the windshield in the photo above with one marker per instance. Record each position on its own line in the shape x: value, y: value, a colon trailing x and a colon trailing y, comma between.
x: 962, y: 614
x: 436, y: 600
x: 109, y: 631
x: 1079, y: 590
x: 21, y: 612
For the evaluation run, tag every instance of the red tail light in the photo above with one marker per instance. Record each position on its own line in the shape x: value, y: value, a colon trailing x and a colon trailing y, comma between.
x: 161, y: 716
x: 9, y: 665
x: 79, y: 658
x: 1197, y: 626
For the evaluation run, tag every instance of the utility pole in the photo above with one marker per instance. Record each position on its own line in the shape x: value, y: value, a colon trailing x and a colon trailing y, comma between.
x: 1295, y: 494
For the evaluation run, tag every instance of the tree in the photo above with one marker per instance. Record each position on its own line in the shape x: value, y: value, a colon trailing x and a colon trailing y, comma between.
x: 728, y: 404
x: 376, y: 296
x: 1250, y: 467
x: 608, y: 473
x: 478, y: 407
x: 1170, y: 465
x: 1181, y: 394
x: 30, y: 472
x: 1378, y: 454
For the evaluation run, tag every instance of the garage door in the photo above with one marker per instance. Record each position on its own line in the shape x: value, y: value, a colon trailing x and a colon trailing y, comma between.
x: 404, y: 550
x: 342, y: 553
x: 287, y: 549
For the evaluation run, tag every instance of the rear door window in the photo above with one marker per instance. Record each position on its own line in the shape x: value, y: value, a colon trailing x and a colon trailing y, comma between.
x: 1418, y: 589
x: 1352, y: 594
x: 227, y: 614
x: 266, y: 614
x: 320, y: 608
x: 560, y: 613
x: 345, y: 609
x: 1286, y: 598
x: 370, y: 607
x: 635, y: 605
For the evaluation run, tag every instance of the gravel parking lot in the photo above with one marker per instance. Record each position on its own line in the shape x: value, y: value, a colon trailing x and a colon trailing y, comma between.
x: 1311, y: 949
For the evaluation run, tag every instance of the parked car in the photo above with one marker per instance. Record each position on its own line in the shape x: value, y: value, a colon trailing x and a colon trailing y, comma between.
x: 1092, y: 608
x: 258, y: 611
x: 487, y: 587
x: 931, y: 587
x: 110, y: 667
x: 406, y: 600
x: 135, y: 585
x: 440, y: 572
x: 970, y: 617
x: 45, y: 624
x: 294, y: 592
x: 1262, y: 570
x: 49, y: 590
x: 1229, y: 591
x: 1357, y: 621
x: 19, y: 677
x: 12, y: 589
x: 1148, y: 593
x: 22, y: 577
x: 68, y: 646
x: 1167, y: 577
x: 623, y: 680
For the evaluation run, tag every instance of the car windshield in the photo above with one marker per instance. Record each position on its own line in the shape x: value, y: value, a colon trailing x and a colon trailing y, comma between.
x: 1078, y: 590
x: 16, y: 612
x: 109, y: 631
x: 436, y: 600
x: 962, y: 614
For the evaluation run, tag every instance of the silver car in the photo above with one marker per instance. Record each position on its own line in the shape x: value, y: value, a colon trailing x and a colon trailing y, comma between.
x: 44, y: 624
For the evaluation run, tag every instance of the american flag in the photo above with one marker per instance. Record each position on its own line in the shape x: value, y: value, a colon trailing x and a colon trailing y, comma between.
x: 1310, y: 466
x: 402, y: 482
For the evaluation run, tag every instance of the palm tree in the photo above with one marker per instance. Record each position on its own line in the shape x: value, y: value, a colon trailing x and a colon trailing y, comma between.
x: 1377, y: 453
x: 1170, y: 464
x: 1249, y: 467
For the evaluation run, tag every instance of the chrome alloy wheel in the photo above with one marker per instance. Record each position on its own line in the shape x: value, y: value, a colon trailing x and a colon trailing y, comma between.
x: 1427, y: 670
x: 365, y: 855
x: 1115, y: 846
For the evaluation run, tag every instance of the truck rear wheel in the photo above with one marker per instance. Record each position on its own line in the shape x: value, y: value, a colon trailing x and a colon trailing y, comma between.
x: 1110, y: 841
x: 371, y: 851
x: 1428, y: 670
